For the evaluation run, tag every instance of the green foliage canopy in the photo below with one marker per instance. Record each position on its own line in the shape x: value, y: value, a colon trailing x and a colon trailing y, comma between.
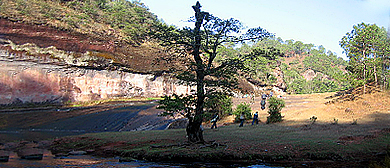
x: 367, y: 48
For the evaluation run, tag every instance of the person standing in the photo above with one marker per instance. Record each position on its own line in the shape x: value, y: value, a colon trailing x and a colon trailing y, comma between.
x: 255, y: 118
x: 242, y: 119
x: 214, y: 121
x: 262, y: 102
x: 264, y: 96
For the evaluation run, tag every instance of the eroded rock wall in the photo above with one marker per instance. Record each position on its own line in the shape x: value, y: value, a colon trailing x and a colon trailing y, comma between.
x: 25, y: 80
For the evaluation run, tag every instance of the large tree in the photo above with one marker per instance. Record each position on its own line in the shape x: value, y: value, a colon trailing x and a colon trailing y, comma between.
x: 199, y: 47
x: 366, y: 47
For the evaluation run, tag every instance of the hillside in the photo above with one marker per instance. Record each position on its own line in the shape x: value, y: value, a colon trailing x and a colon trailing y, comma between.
x: 308, y: 68
x: 292, y: 66
x: 108, y: 36
x: 122, y: 21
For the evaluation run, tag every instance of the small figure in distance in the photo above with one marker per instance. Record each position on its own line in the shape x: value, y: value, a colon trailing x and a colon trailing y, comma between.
x: 255, y: 118
x: 264, y: 96
x: 214, y: 121
x: 242, y: 119
x: 262, y: 103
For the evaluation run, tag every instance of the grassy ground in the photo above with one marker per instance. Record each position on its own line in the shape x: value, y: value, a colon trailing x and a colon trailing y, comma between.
x: 351, y: 134
x: 277, y: 143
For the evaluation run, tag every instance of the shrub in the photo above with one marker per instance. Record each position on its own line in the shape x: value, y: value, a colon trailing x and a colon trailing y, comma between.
x: 217, y: 103
x: 243, y: 107
x: 275, y: 106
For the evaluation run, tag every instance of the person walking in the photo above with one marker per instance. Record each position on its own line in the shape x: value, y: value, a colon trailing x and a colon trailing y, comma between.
x: 242, y: 119
x: 255, y: 118
x: 214, y: 121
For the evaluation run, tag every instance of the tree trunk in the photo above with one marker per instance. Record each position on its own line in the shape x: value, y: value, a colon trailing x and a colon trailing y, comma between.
x: 194, y: 130
x: 375, y: 76
x: 364, y: 70
x: 364, y: 79
x: 383, y: 76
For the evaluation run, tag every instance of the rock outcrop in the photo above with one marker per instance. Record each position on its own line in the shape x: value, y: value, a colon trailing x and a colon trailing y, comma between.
x: 25, y: 79
x: 310, y: 75
x: 43, y: 64
x: 280, y: 84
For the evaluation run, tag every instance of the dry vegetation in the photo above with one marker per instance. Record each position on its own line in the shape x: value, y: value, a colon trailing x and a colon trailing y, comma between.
x: 347, y: 106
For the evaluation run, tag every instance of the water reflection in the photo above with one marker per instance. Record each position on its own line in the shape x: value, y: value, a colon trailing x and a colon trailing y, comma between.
x: 50, y: 161
x: 83, y: 161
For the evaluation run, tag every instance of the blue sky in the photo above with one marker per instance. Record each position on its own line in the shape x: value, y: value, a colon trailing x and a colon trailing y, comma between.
x: 320, y: 22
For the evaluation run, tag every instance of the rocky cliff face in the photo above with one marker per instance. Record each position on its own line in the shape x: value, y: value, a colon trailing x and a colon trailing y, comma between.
x: 44, y: 64
x: 25, y: 79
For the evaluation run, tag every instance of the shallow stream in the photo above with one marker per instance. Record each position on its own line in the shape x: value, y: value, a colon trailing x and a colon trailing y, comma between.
x: 84, y: 161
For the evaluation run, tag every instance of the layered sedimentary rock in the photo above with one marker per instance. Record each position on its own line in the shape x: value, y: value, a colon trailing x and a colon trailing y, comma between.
x: 26, y: 79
